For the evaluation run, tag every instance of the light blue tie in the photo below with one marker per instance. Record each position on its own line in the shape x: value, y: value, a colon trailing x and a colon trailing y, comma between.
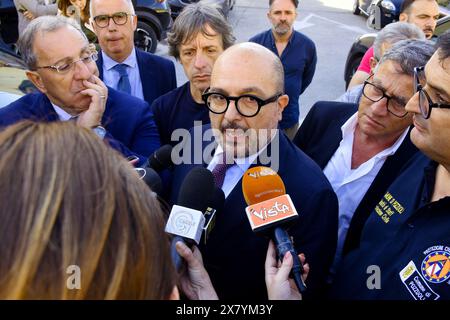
x: 124, y: 81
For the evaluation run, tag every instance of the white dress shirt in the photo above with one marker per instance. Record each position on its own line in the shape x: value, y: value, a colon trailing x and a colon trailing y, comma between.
x: 63, y: 115
x: 350, y: 185
x: 111, y: 77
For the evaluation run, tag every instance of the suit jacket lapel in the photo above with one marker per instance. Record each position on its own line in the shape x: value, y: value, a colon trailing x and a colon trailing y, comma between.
x: 100, y: 64
x: 147, y: 74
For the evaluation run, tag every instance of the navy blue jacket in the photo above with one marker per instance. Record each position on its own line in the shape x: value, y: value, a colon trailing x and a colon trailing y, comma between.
x: 319, y: 137
x: 299, y: 60
x: 234, y: 256
x: 127, y: 120
x: 407, y: 237
x: 157, y: 74
x: 178, y: 110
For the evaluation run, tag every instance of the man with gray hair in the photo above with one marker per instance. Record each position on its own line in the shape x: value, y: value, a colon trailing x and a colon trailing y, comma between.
x: 386, y: 38
x: 361, y: 148
x: 61, y: 64
x: 121, y: 65
x: 199, y: 35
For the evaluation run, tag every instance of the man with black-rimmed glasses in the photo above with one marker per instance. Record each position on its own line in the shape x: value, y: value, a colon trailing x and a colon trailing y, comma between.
x: 246, y: 99
x: 407, y: 235
x: 121, y: 65
x: 362, y: 147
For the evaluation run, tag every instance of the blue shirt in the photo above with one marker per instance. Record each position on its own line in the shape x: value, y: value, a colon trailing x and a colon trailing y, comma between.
x: 299, y: 60
x: 111, y: 76
x: 407, y: 237
x: 178, y: 110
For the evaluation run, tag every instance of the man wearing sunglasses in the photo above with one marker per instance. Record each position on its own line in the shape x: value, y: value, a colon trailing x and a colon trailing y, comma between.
x: 362, y: 147
x: 121, y: 65
x: 61, y: 64
x: 246, y: 99
x: 407, y: 235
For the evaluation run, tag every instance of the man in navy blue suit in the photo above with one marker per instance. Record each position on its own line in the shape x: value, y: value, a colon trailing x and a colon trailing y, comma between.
x: 61, y: 64
x: 198, y: 36
x: 246, y: 100
x: 362, y: 148
x: 121, y: 65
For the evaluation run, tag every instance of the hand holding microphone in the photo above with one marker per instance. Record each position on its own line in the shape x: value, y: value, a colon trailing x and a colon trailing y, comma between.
x: 279, y: 285
x: 270, y: 211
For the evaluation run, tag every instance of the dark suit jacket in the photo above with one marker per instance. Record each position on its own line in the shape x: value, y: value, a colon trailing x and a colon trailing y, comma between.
x: 319, y: 137
x: 157, y: 74
x: 234, y: 256
x: 128, y: 120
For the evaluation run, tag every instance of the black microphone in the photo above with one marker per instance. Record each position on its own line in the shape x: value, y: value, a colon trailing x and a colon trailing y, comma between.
x: 161, y: 159
x: 270, y: 211
x: 186, y: 220
x: 151, y: 178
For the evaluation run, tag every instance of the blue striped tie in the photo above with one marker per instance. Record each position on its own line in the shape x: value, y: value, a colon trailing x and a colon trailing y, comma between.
x: 124, y: 80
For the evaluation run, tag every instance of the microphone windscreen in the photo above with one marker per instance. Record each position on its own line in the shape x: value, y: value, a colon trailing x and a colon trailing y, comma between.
x: 260, y: 184
x: 152, y: 179
x: 196, y: 189
x: 162, y: 158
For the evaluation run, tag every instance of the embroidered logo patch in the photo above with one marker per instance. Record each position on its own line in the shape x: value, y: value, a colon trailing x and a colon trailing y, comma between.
x: 436, y: 266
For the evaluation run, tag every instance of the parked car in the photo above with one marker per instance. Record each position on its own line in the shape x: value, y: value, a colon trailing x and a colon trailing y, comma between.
x: 363, y: 6
x: 365, y: 41
x: 154, y: 20
x: 13, y: 80
x: 177, y: 5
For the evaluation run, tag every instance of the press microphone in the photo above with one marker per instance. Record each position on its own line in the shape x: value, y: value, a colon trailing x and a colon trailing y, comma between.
x: 270, y: 210
x: 186, y: 220
x: 161, y: 159
x: 151, y: 178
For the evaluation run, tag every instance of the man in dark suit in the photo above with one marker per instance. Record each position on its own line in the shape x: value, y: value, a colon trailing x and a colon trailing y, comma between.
x: 121, y: 65
x: 246, y: 135
x: 198, y: 36
x: 362, y: 148
x: 62, y: 66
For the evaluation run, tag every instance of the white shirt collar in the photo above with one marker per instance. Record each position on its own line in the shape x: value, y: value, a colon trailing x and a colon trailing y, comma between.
x: 63, y: 115
x: 109, y: 63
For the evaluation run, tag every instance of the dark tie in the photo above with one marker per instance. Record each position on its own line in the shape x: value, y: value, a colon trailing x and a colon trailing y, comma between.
x: 220, y: 170
x: 124, y: 81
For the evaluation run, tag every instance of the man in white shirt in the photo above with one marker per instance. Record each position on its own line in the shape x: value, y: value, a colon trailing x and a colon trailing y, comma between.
x: 362, y: 148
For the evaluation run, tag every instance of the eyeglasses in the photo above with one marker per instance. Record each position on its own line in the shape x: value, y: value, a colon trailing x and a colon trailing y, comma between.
x: 247, y: 105
x: 375, y: 94
x: 119, y: 18
x: 425, y: 102
x: 66, y: 67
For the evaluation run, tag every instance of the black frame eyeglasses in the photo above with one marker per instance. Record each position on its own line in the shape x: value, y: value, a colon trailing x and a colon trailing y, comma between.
x: 393, y: 106
x: 247, y: 105
x: 119, y: 18
x: 425, y: 102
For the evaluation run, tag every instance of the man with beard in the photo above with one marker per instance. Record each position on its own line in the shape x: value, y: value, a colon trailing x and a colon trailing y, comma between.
x: 246, y: 100
x: 198, y: 36
x: 422, y: 13
x: 297, y: 53
x: 61, y: 64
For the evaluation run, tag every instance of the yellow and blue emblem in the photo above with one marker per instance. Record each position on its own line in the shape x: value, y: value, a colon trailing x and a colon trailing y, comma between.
x: 436, y: 266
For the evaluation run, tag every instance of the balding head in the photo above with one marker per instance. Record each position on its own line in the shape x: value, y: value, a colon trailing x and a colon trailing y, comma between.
x: 253, y: 74
x: 249, y: 55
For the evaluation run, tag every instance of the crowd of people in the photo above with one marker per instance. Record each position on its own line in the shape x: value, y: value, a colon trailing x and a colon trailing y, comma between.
x: 369, y: 174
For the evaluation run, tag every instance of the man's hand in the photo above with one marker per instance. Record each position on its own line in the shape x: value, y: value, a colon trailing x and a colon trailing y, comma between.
x: 279, y: 285
x: 195, y: 282
x: 99, y: 94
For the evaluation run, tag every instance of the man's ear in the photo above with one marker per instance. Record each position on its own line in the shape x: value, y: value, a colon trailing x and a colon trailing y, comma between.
x: 403, y: 17
x: 282, y: 103
x: 373, y: 63
x: 135, y: 19
x: 36, y: 79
